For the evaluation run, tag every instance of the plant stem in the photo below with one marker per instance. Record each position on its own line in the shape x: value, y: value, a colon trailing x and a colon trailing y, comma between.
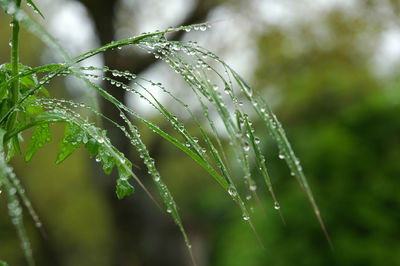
x: 14, y: 88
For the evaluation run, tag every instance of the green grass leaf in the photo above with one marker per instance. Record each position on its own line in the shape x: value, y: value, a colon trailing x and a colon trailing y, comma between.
x: 30, y: 3
x: 69, y: 143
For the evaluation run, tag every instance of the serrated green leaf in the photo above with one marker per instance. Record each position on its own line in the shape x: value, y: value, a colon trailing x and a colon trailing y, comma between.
x: 45, y: 92
x: 40, y: 136
x: 123, y: 167
x: 28, y: 81
x: 70, y: 142
x: 15, y: 144
x: 34, y: 109
x: 92, y: 146
x: 124, y: 188
x: 108, y: 160
x: 31, y: 107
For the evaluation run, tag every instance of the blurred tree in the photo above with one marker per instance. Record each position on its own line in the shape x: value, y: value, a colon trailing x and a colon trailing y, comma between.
x: 135, y: 217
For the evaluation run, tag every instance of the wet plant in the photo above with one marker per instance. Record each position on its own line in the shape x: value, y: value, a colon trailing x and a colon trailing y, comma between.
x: 25, y: 103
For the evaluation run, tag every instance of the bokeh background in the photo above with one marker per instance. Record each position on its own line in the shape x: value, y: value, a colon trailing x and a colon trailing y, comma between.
x: 330, y: 71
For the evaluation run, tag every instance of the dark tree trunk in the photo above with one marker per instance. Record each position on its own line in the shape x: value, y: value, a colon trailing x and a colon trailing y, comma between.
x: 144, y: 235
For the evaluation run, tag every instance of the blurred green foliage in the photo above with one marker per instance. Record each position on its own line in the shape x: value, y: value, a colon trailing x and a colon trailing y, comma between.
x: 344, y: 124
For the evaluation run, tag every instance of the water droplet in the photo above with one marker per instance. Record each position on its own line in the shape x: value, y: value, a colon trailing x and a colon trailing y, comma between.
x: 253, y: 187
x: 276, y: 206
x: 246, y: 217
x: 281, y: 156
x: 13, y: 191
x: 248, y: 197
x: 232, y: 191
x: 10, y: 43
x: 188, y: 29
x: 169, y: 209
x: 257, y: 140
x: 246, y: 146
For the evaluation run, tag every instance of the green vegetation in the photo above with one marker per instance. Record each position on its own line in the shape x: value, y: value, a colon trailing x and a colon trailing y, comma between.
x: 26, y: 103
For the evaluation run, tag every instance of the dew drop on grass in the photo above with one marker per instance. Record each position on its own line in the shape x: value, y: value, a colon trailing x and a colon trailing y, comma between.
x: 253, y: 187
x: 246, y: 146
x: 257, y: 140
x: 246, y: 217
x: 232, y: 191
x: 12, y: 191
x: 276, y: 206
